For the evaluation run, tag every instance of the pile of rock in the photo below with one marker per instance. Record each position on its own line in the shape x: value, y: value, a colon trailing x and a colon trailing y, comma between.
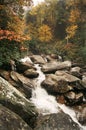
x: 66, y: 83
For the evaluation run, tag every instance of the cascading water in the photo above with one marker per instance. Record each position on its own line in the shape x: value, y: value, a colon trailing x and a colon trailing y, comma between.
x: 45, y: 103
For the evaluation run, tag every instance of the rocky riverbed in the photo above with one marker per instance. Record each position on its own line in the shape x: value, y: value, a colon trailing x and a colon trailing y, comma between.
x: 64, y: 80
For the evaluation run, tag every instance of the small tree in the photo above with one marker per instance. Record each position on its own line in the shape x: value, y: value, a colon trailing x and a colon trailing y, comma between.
x: 44, y: 33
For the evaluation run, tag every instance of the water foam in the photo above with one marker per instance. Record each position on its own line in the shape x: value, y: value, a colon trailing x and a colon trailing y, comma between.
x: 42, y: 100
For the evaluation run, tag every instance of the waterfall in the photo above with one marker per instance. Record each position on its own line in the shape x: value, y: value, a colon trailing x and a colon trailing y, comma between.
x: 44, y: 102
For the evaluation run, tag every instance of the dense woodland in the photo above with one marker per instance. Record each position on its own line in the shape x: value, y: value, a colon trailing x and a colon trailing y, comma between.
x: 54, y: 26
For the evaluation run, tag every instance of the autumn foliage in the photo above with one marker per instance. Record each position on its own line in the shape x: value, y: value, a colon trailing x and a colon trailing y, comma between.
x: 10, y: 35
x: 45, y: 33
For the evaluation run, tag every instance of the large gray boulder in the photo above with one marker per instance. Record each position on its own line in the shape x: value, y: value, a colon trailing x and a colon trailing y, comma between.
x: 59, y: 121
x: 54, y: 65
x: 11, y: 121
x: 15, y: 101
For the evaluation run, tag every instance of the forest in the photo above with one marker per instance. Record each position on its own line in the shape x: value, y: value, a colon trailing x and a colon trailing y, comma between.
x: 43, y: 65
x: 53, y: 26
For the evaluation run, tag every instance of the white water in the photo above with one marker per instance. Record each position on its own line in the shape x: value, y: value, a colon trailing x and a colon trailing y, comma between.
x: 26, y: 59
x: 42, y: 100
x: 71, y: 113
x: 46, y: 103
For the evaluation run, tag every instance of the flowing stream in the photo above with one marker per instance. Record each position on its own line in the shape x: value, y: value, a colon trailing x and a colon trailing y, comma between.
x: 45, y: 103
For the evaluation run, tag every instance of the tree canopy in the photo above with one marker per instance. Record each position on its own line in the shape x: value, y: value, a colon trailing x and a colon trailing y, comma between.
x: 51, y: 26
x: 11, y: 18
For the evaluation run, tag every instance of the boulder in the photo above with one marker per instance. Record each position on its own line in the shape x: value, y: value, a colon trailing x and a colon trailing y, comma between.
x: 23, y: 83
x: 11, y: 98
x: 60, y: 99
x: 37, y: 59
x: 76, y: 72
x: 55, y: 84
x: 11, y: 121
x: 20, y: 78
x: 75, y: 69
x: 84, y: 80
x: 54, y: 56
x: 71, y: 80
x: 73, y: 98
x: 67, y: 77
x: 59, y: 121
x: 54, y: 65
x: 5, y: 74
x: 49, y: 67
x: 23, y: 66
x: 81, y: 115
x: 49, y: 58
x: 31, y: 73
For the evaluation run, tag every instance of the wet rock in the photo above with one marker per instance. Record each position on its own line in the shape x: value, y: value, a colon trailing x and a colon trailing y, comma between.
x: 61, y: 99
x: 15, y: 101
x: 5, y: 74
x: 23, y: 66
x: 84, y: 80
x: 37, y: 59
x: 11, y: 121
x: 50, y: 67
x: 54, y: 65
x: 22, y: 83
x: 59, y: 121
x: 72, y: 98
x: 71, y: 80
x: 31, y: 73
x: 81, y: 114
x: 76, y: 69
x: 49, y: 58
x: 77, y: 63
x: 55, y: 84
x: 67, y: 77
x: 20, y: 78
x: 54, y: 56
x: 76, y: 72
